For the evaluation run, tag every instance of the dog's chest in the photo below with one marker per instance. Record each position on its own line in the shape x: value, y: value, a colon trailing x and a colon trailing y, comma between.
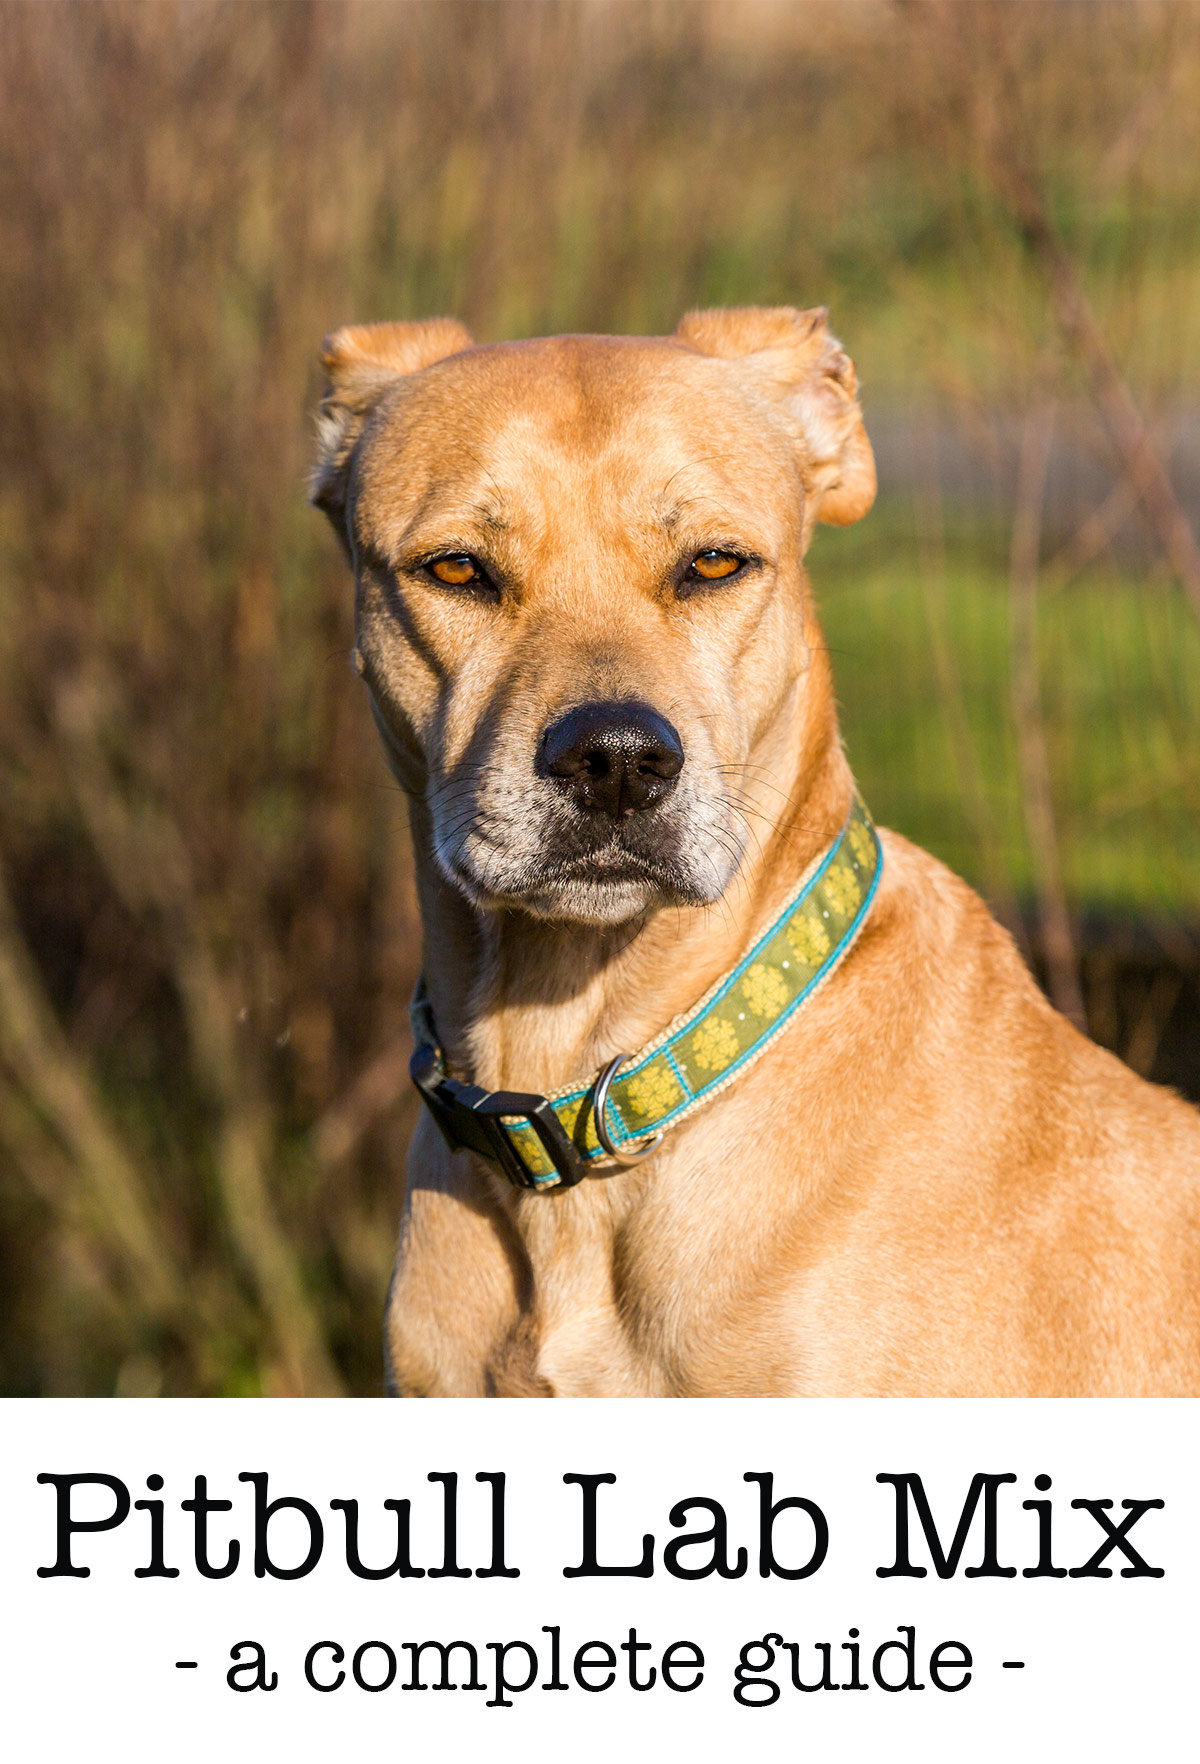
x: 618, y: 1304
x: 587, y: 1355
x: 577, y: 1333
x: 643, y: 1285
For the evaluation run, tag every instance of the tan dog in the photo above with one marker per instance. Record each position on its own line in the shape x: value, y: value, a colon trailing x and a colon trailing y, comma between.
x: 929, y: 1184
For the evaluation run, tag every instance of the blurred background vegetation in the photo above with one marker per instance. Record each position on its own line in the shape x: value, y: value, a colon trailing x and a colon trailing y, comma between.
x: 207, y: 932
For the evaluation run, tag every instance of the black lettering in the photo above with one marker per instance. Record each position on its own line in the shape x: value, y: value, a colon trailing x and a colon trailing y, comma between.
x: 201, y: 1506
x: 390, y: 1666
x: 670, y: 1666
x: 449, y: 1569
x: 444, y: 1649
x: 401, y: 1563
x: 66, y: 1526
x: 946, y: 1564
x: 255, y: 1668
x: 768, y: 1512
x: 748, y: 1675
x: 556, y: 1680
x: 1116, y: 1537
x: 718, y: 1562
x: 907, y: 1651
x: 590, y: 1566
x: 497, y: 1569
x: 938, y: 1665
x: 310, y: 1657
x: 156, y: 1568
x: 264, y: 1511
x: 1045, y: 1564
x: 605, y: 1663
x: 502, y: 1682
x: 633, y: 1647
x: 852, y: 1649
x: 825, y: 1649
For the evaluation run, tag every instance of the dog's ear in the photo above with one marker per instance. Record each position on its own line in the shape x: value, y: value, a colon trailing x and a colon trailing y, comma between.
x: 361, y: 362
x: 797, y: 360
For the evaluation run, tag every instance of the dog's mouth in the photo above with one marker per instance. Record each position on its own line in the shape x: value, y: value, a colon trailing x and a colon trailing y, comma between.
x: 574, y: 876
x: 610, y: 869
x: 613, y: 863
x: 523, y: 847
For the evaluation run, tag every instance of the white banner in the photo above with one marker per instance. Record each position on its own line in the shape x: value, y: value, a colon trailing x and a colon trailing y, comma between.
x: 848, y: 1580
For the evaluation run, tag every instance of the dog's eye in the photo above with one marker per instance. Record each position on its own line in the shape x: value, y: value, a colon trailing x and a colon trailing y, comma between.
x: 713, y: 565
x: 457, y: 571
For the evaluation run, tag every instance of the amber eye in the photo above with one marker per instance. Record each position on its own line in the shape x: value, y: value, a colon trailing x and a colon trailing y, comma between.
x: 456, y: 571
x: 712, y: 565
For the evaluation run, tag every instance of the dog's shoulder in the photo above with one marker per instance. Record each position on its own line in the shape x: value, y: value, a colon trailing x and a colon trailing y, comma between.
x: 938, y: 933
x: 982, y: 1011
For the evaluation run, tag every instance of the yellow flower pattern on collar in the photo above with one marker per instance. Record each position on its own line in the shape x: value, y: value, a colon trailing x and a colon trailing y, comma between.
x: 841, y: 888
x: 809, y: 939
x: 651, y: 1093
x: 765, y: 990
x: 714, y: 1044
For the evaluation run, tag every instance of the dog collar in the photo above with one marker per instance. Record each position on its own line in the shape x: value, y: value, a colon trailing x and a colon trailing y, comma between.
x: 549, y: 1142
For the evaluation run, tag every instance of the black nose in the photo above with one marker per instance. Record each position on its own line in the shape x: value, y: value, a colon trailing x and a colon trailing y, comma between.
x: 613, y: 758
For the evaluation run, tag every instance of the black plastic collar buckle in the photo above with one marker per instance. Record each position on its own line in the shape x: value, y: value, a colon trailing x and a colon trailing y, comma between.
x: 470, y: 1120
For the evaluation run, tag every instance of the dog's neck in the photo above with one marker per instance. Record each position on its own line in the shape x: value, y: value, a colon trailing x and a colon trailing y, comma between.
x: 529, y: 1004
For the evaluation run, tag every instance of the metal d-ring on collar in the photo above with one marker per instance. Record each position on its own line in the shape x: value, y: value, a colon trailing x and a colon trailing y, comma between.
x: 621, y: 1155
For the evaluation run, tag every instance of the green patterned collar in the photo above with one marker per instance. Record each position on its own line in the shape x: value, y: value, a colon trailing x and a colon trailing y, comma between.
x: 552, y: 1142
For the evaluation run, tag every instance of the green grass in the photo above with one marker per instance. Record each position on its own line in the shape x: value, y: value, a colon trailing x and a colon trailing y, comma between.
x: 1120, y: 669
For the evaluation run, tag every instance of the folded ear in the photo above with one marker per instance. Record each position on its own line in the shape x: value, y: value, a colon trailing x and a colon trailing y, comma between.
x: 796, y: 359
x: 361, y: 362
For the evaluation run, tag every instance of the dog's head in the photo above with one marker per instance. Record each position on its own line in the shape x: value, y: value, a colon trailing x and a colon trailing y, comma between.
x: 581, y: 600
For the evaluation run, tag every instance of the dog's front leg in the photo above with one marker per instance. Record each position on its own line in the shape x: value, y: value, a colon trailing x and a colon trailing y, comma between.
x: 454, y: 1297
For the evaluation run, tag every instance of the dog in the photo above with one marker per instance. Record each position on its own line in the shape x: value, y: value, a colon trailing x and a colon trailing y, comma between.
x: 660, y: 1157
